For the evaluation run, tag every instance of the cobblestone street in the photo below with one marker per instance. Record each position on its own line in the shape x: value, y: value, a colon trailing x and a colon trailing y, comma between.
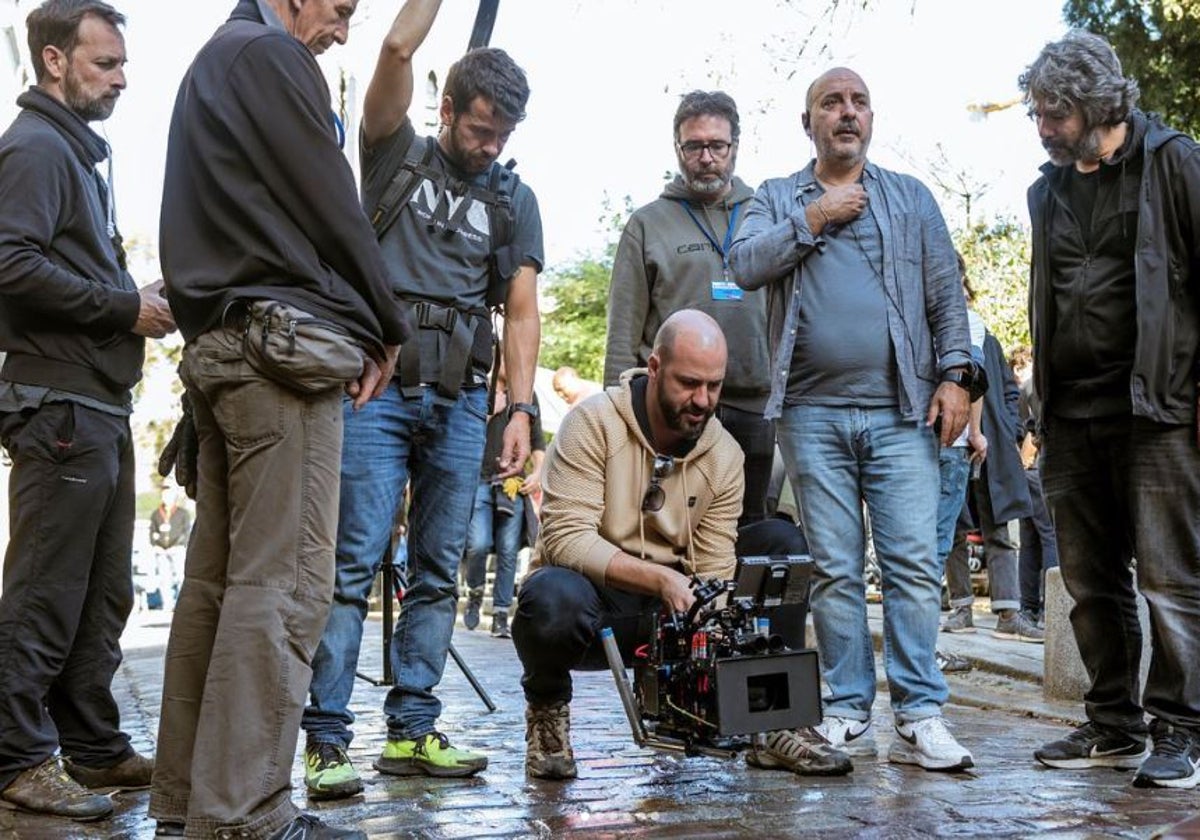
x: 625, y: 791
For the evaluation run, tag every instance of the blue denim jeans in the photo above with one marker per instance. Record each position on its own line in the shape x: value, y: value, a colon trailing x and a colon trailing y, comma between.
x: 841, y: 458
x: 390, y: 442
x: 955, y: 468
x: 1120, y: 488
x: 494, y: 531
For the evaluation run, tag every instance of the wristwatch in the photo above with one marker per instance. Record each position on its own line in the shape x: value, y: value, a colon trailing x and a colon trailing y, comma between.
x: 528, y: 408
x: 971, y: 377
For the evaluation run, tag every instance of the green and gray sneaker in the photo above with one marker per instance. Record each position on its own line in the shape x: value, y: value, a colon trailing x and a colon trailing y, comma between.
x: 328, y: 773
x: 430, y: 754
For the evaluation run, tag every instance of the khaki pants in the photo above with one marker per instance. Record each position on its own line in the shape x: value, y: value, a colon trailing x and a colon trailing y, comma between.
x: 258, y: 582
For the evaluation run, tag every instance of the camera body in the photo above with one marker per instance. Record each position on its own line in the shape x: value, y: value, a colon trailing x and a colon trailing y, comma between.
x: 706, y: 680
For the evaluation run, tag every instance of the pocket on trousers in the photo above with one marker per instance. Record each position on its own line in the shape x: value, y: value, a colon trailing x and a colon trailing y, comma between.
x: 300, y: 351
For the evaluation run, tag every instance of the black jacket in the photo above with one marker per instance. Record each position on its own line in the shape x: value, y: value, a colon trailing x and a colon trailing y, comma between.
x: 1002, y: 426
x: 66, y: 304
x: 1167, y: 266
x: 258, y: 200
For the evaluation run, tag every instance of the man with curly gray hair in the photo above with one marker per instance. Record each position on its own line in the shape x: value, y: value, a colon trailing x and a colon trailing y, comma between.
x: 1115, y: 315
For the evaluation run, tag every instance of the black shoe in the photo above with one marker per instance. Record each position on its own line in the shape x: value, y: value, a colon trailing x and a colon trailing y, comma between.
x: 308, y: 827
x: 1094, y: 745
x: 471, y: 613
x: 1174, y: 762
x: 500, y: 625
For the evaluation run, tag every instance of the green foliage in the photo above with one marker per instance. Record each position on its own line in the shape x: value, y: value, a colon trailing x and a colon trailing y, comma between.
x: 575, y: 321
x: 575, y: 302
x: 1158, y: 42
x: 997, y: 256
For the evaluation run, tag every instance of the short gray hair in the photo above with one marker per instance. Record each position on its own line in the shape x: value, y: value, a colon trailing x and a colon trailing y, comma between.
x: 1080, y: 71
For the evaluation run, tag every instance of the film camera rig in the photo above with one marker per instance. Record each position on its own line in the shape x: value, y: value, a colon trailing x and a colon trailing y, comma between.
x: 707, y: 680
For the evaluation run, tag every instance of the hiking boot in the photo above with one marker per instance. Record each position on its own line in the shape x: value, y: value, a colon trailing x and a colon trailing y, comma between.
x: 1175, y: 760
x: 1094, y: 745
x: 1019, y: 627
x: 471, y: 613
x: 928, y: 743
x: 328, y: 773
x: 500, y: 625
x: 131, y: 774
x: 802, y: 751
x: 853, y: 737
x: 548, y: 753
x: 431, y: 755
x: 47, y: 789
x: 308, y: 827
x: 960, y: 620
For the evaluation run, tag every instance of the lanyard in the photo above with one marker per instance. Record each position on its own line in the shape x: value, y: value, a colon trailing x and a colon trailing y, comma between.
x: 722, y: 249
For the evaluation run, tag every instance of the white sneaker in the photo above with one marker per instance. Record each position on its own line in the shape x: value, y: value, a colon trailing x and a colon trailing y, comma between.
x: 928, y: 743
x: 853, y: 737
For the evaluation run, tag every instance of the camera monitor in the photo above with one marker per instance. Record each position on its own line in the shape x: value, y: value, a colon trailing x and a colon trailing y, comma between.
x: 773, y: 580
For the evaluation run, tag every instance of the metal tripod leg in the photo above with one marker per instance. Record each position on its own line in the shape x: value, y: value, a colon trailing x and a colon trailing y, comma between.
x: 391, y: 588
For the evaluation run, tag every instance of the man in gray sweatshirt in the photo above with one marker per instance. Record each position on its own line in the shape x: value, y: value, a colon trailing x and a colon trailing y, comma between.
x: 673, y: 255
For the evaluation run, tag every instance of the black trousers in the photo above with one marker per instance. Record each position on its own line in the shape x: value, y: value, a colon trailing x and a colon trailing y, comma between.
x: 559, y: 615
x: 756, y: 437
x: 68, y: 586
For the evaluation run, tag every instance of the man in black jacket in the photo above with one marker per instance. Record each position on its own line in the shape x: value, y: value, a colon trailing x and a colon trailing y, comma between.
x: 73, y: 325
x: 268, y: 260
x: 1115, y: 314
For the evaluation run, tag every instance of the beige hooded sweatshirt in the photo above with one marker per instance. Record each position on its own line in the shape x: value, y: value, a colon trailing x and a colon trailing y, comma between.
x: 597, y: 470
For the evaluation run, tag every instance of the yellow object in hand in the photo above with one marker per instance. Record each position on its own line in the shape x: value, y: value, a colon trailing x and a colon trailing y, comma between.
x: 512, y: 486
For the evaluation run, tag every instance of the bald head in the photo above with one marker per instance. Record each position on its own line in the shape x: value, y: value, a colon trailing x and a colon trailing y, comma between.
x: 691, y: 331
x: 834, y: 73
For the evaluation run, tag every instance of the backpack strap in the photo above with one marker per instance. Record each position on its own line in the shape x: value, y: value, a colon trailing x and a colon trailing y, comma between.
x: 404, y: 184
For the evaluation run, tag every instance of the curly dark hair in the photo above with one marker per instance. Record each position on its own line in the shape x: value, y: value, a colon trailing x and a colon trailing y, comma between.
x: 1080, y: 71
x: 488, y: 72
x: 56, y: 23
x: 703, y: 103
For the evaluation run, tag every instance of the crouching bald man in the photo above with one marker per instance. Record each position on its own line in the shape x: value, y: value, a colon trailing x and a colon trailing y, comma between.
x: 642, y: 491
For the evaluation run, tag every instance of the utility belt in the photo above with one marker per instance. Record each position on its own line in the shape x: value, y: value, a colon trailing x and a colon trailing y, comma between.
x: 452, y: 348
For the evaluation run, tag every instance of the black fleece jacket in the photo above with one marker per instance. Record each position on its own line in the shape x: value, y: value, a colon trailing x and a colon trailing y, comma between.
x: 66, y: 304
x: 258, y: 200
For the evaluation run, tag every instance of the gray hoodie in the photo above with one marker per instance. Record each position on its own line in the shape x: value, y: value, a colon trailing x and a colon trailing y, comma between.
x: 665, y: 263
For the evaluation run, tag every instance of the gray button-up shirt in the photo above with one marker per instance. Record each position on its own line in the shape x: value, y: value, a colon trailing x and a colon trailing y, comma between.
x: 926, y: 311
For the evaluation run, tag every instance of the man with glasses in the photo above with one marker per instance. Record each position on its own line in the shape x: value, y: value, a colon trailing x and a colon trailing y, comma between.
x: 641, y: 496
x: 1116, y: 348
x: 674, y: 254
x: 870, y: 347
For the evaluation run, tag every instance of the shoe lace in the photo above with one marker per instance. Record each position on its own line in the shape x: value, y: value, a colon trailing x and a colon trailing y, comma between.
x: 1172, y: 742
x: 936, y: 731
x: 330, y: 755
x: 54, y: 776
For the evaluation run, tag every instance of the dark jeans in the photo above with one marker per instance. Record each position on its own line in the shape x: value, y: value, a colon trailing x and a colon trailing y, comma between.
x: 1120, y: 488
x: 68, y: 586
x: 756, y: 437
x: 560, y: 614
x: 1039, y: 549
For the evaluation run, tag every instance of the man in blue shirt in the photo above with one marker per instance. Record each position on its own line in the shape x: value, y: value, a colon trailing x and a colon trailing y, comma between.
x: 865, y: 316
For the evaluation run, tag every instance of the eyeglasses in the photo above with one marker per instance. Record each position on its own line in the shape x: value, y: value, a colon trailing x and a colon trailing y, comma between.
x: 655, y: 495
x: 694, y: 148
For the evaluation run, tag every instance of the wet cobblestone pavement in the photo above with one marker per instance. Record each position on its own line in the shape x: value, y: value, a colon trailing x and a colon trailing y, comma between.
x: 625, y: 791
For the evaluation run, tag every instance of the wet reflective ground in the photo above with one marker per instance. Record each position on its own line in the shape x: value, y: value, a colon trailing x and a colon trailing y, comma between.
x: 624, y: 791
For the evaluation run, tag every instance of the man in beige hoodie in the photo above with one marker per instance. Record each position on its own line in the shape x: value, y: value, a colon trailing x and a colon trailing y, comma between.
x: 642, y: 491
